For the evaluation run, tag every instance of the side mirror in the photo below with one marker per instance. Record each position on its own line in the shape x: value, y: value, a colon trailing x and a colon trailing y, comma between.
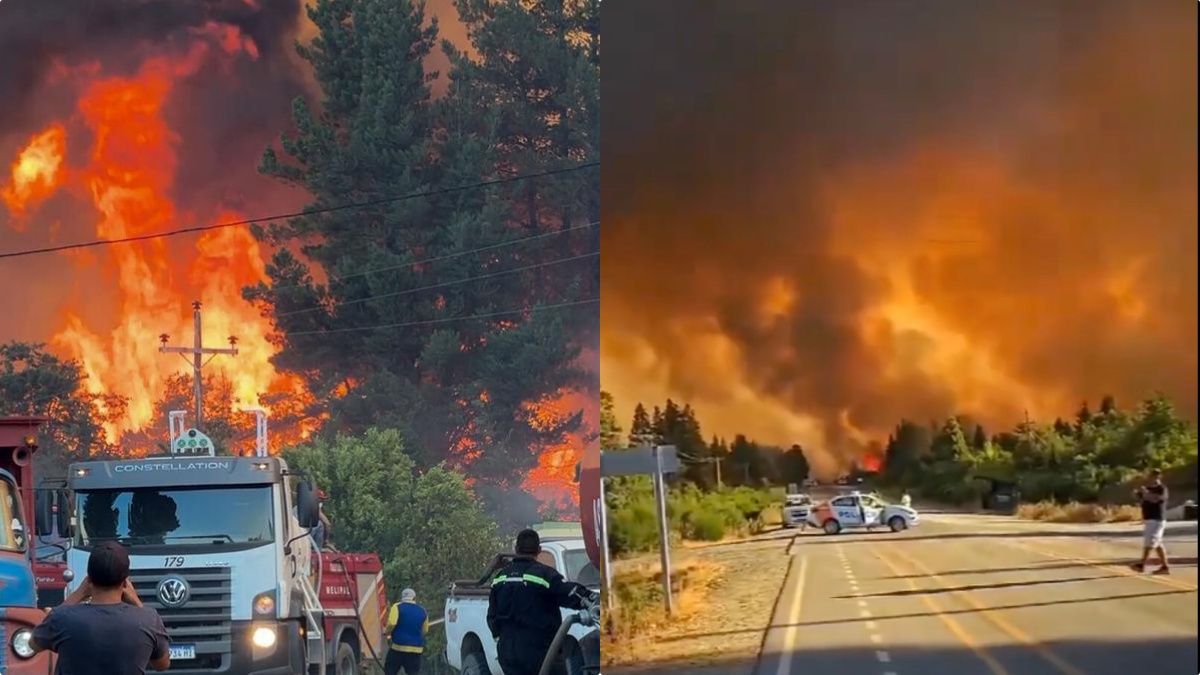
x: 307, y: 505
x: 43, y: 513
x: 64, y: 516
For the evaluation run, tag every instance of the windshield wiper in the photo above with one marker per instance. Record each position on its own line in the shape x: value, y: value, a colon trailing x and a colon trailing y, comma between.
x: 221, y: 538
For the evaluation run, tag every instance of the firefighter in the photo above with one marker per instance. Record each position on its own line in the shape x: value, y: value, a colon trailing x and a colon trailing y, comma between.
x: 523, y: 607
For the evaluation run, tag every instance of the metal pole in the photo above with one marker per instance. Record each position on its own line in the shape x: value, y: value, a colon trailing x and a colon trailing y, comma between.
x: 605, y: 555
x: 196, y: 365
x: 664, y: 538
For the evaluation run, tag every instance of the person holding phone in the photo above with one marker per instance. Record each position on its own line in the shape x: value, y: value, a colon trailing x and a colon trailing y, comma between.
x: 102, y: 627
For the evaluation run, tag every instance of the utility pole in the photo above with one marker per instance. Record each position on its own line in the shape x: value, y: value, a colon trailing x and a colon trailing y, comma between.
x: 197, y: 351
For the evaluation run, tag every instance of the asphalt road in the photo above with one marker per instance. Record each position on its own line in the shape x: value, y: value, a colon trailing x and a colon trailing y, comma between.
x: 988, y: 595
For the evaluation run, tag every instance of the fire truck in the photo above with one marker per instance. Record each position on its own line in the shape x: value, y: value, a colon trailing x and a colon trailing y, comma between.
x: 18, y: 597
x: 191, y: 519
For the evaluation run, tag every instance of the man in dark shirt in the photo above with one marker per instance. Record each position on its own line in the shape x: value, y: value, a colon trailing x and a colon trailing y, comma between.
x: 102, y: 628
x: 1154, y: 523
x: 523, y: 608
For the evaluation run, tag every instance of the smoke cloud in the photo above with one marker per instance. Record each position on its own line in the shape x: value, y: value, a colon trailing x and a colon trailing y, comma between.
x: 822, y: 217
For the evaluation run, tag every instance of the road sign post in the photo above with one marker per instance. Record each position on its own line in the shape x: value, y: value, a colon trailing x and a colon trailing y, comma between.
x: 656, y: 461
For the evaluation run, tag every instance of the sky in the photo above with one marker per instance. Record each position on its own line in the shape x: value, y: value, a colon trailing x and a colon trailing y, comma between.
x: 823, y: 217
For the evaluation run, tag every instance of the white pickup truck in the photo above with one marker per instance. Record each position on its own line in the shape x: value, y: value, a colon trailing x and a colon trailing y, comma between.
x: 470, y: 647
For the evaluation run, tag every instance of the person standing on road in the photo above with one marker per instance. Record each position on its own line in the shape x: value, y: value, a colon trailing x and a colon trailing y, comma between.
x: 524, y: 607
x: 408, y: 623
x: 102, y: 628
x: 1154, y: 522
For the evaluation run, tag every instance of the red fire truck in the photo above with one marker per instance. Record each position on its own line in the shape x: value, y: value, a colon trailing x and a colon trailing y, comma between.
x: 18, y: 598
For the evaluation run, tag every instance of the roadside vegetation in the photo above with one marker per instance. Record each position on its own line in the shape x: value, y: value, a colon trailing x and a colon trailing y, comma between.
x: 1083, y: 470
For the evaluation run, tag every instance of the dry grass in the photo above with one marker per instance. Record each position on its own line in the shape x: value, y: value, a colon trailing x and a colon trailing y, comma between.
x: 641, y: 609
x: 1075, y: 512
x: 724, y: 594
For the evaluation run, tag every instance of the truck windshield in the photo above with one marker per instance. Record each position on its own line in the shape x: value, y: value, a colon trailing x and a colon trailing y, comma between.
x: 176, y: 516
x: 579, y: 568
x: 12, y: 532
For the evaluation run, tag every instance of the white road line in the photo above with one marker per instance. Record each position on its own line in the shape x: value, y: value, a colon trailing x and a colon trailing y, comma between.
x: 862, y: 603
x: 871, y: 625
x: 883, y: 657
x: 876, y: 638
x: 789, y: 632
x: 890, y: 672
x: 864, y: 613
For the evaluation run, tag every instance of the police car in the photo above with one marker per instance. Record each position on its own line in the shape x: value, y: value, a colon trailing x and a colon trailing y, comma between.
x: 859, y: 511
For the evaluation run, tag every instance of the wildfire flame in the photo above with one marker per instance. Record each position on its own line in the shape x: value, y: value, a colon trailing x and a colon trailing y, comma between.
x: 128, y: 177
x: 36, y: 172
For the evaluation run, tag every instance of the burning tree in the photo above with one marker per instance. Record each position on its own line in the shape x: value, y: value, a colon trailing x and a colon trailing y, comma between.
x: 415, y: 313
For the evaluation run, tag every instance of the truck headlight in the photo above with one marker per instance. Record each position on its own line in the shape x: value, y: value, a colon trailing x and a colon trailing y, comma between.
x: 263, y: 637
x: 22, y: 643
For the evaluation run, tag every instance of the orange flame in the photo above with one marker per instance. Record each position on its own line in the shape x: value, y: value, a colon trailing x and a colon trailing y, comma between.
x: 553, y: 480
x: 129, y: 175
x: 36, y: 172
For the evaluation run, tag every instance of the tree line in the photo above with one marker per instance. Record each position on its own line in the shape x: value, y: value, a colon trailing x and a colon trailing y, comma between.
x: 709, y: 464
x: 1094, y: 456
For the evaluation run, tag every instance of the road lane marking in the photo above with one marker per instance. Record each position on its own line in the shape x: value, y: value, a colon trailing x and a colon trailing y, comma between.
x: 949, y: 622
x: 861, y: 603
x: 883, y: 657
x: 871, y: 625
x: 864, y: 613
x: 876, y: 638
x: 1124, y: 571
x: 989, y: 614
x: 793, y: 620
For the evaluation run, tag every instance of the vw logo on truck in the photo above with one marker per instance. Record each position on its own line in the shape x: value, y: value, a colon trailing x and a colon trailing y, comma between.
x: 173, y: 592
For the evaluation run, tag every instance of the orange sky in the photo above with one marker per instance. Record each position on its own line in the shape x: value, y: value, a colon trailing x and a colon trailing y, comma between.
x: 856, y: 216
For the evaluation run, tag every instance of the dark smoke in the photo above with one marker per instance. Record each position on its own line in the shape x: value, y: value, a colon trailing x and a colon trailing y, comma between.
x: 728, y: 136
x: 34, y: 34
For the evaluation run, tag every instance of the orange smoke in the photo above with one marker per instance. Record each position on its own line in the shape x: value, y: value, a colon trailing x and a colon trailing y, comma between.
x: 36, y: 172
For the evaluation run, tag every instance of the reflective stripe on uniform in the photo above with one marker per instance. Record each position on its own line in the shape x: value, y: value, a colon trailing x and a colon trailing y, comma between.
x: 521, y: 579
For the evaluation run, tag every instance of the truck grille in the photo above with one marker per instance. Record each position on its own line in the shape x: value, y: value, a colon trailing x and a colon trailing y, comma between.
x: 204, y: 620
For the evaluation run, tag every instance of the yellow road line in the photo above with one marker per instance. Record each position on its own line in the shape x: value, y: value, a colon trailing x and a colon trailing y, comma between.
x: 953, y: 626
x: 1124, y: 571
x: 996, y: 620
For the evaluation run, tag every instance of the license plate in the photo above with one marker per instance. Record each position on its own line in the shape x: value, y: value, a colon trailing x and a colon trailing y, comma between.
x: 183, y: 652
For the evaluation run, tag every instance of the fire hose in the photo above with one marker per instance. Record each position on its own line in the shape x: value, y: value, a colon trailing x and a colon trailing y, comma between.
x: 588, y: 616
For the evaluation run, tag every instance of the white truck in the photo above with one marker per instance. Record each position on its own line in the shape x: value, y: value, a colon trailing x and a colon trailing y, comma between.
x: 192, y: 519
x: 470, y: 647
x: 859, y: 511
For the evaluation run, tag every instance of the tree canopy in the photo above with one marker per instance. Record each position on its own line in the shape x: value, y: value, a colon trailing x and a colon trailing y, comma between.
x: 454, y: 314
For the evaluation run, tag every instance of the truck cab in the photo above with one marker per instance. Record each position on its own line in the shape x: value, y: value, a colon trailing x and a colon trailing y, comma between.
x: 219, y: 547
x: 18, y: 595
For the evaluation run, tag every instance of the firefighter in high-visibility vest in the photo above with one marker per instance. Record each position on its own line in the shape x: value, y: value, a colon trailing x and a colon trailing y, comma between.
x: 524, y: 607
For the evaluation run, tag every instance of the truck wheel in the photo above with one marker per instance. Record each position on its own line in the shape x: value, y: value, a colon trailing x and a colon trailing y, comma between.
x: 897, y: 524
x: 475, y: 664
x: 832, y: 526
x: 345, y: 662
x: 573, y: 659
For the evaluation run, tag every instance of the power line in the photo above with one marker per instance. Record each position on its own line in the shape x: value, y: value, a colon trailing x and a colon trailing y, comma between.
x: 450, y: 319
x: 451, y: 256
x: 439, y: 285
x: 296, y: 214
